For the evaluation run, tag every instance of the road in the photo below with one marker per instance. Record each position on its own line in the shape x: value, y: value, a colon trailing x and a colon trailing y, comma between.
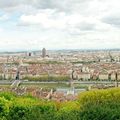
x: 17, y: 82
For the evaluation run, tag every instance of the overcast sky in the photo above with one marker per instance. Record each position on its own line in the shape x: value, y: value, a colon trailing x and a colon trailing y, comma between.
x: 59, y: 24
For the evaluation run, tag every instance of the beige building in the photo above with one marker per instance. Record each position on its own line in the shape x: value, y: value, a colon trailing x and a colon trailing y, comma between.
x: 103, y: 76
x: 84, y: 76
x: 118, y: 77
x: 113, y: 76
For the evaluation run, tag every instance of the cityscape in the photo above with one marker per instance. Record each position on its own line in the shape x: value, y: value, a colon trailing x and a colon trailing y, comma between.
x: 59, y: 60
x: 63, y: 71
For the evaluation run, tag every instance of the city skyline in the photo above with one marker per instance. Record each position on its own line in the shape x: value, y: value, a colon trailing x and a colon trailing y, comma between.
x: 70, y: 24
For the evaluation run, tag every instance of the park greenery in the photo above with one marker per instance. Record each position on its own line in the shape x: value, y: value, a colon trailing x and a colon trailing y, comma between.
x: 91, y: 105
x: 83, y: 62
x: 47, y: 78
x: 45, y: 62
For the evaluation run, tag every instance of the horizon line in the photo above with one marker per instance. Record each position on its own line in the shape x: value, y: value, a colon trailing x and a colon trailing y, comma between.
x: 36, y: 50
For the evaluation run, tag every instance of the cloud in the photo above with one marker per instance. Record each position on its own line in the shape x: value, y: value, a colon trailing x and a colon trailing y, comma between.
x: 51, y: 19
x: 46, y: 18
x: 112, y: 20
x: 59, y: 24
x: 43, y: 4
x: 1, y: 30
x: 4, y: 17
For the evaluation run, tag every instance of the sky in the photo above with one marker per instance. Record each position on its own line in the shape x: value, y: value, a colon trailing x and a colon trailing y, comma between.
x: 59, y: 24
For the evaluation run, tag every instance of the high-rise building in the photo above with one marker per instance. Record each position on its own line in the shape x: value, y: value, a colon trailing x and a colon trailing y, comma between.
x: 29, y: 54
x: 43, y: 52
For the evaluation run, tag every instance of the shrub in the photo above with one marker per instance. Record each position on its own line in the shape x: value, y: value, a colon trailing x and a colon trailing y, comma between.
x: 91, y: 105
x: 100, y: 105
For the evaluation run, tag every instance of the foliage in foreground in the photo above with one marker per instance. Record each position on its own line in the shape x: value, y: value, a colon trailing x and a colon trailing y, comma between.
x: 93, y: 105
